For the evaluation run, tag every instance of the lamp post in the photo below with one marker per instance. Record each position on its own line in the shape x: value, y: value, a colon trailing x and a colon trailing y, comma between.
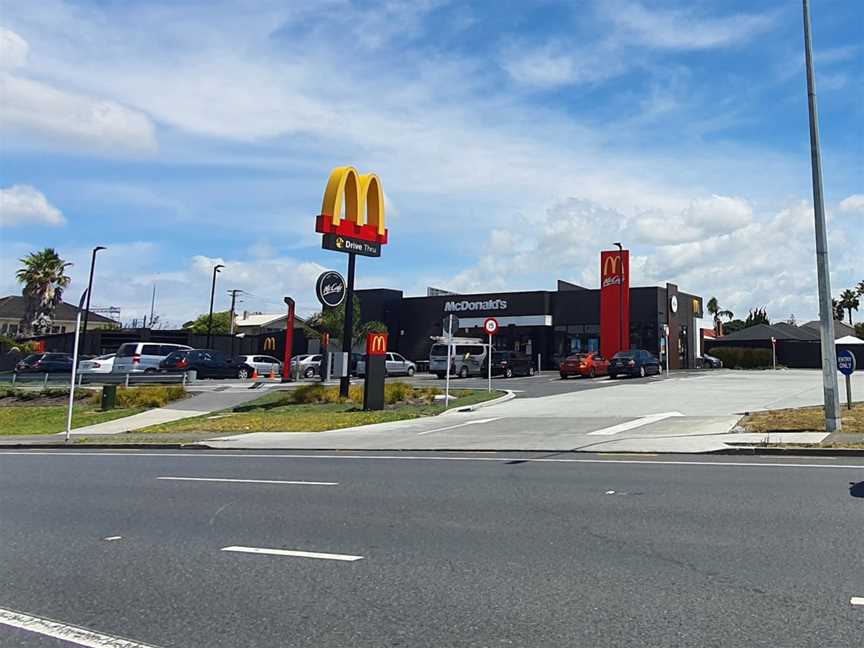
x: 216, y: 269
x: 89, y: 290
x: 620, y: 298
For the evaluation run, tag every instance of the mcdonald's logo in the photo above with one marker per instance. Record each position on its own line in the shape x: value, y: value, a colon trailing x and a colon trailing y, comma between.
x: 612, y: 266
x: 363, y: 199
x: 270, y: 343
x: 376, y: 344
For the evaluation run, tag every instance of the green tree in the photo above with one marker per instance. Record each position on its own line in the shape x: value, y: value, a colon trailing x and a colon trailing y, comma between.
x: 221, y: 323
x: 859, y: 330
x: 837, y: 308
x: 756, y: 316
x: 44, y: 277
x: 331, y: 321
x: 849, y: 301
x: 733, y: 325
x: 717, y: 313
x: 860, y: 288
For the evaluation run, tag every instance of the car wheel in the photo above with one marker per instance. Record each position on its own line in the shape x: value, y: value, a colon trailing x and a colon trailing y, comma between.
x: 592, y: 373
x: 150, y: 370
x: 410, y: 371
x: 642, y: 371
x: 508, y: 372
x: 243, y: 373
x: 531, y: 370
x: 563, y: 376
x: 613, y: 376
x: 439, y: 375
x: 309, y: 373
x: 463, y: 372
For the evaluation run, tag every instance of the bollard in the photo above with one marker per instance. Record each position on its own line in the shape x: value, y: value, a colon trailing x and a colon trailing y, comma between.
x: 14, y: 377
x: 45, y: 382
x: 109, y: 397
x: 127, y: 380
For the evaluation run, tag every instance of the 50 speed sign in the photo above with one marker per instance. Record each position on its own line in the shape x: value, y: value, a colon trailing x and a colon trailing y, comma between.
x: 490, y: 325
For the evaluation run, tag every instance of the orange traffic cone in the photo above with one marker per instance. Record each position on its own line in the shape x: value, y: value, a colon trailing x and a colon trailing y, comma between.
x: 254, y: 373
x: 272, y: 374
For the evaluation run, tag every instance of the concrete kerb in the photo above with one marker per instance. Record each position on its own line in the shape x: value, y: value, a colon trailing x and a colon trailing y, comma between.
x: 509, y: 395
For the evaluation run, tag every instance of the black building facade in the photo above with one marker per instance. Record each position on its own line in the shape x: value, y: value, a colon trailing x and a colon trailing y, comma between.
x: 551, y: 323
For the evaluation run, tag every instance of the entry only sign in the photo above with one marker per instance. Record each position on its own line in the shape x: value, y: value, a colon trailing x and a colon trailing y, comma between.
x: 846, y: 363
x: 490, y: 325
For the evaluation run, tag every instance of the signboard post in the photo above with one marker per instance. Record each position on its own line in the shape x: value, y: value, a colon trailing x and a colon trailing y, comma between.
x: 376, y: 370
x: 451, y: 321
x: 774, y: 352
x: 666, y: 335
x: 491, y: 327
x: 846, y: 366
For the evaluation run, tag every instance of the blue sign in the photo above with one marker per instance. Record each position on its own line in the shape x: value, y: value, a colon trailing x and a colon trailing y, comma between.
x: 846, y: 362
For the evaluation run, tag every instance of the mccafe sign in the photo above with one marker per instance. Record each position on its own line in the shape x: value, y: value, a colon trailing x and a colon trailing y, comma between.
x: 330, y: 289
x: 464, y: 305
x: 613, y: 271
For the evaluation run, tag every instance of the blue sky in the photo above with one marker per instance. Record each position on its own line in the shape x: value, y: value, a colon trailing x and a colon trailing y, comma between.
x: 514, y: 140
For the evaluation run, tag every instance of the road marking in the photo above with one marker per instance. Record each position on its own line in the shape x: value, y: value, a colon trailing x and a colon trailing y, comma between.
x: 250, y: 481
x: 296, y: 554
x: 459, y: 425
x: 632, y: 425
x: 65, y: 632
x: 253, y: 455
x: 857, y: 600
x: 112, y: 538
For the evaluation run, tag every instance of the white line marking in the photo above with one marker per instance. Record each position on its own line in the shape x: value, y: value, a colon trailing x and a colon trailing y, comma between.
x: 226, y: 455
x: 857, y: 600
x: 297, y: 554
x: 631, y: 425
x: 65, y: 632
x: 112, y: 538
x: 250, y: 481
x: 459, y: 425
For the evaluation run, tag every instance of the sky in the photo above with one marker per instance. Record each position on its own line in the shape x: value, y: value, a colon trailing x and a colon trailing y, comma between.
x: 514, y: 141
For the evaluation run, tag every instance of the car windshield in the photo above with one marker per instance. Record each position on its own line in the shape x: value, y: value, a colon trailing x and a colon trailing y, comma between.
x: 107, y: 356
x: 439, y: 350
x: 497, y: 356
x: 126, y: 350
x: 33, y: 357
x: 578, y: 356
x: 625, y: 354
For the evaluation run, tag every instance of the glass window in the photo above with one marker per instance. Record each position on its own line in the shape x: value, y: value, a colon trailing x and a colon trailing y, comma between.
x: 127, y: 350
x: 151, y: 350
x: 439, y: 350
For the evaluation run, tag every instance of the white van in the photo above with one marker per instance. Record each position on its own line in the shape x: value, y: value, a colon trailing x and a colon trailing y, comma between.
x: 143, y: 357
x: 468, y: 359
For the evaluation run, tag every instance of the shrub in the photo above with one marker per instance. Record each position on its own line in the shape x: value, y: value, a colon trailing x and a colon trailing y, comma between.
x: 149, y: 395
x: 743, y: 357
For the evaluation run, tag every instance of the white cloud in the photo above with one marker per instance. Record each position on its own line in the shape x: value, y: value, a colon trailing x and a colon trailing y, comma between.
x: 853, y: 203
x: 24, y: 205
x: 37, y: 109
x: 13, y: 50
x: 558, y: 64
x: 701, y: 219
x: 683, y: 29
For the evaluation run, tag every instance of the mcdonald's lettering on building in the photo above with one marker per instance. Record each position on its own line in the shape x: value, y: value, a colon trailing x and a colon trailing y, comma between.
x: 376, y: 344
x: 270, y: 343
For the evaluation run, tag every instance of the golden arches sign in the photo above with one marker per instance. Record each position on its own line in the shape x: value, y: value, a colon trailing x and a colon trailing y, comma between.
x: 612, y: 266
x: 270, y: 343
x: 363, y: 200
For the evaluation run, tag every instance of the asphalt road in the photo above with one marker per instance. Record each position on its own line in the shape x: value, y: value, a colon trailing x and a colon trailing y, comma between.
x: 467, y: 550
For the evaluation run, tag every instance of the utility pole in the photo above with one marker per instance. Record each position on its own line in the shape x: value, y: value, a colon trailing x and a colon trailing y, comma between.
x: 826, y: 312
x: 152, y: 304
x: 216, y: 269
x: 233, y: 292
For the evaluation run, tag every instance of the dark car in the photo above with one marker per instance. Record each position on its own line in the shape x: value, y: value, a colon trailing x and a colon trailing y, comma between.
x: 710, y: 362
x: 207, y: 363
x: 511, y: 363
x: 45, y: 363
x: 636, y: 362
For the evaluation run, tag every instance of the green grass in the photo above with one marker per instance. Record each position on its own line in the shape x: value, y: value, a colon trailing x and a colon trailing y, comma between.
x: 51, y: 419
x: 280, y: 411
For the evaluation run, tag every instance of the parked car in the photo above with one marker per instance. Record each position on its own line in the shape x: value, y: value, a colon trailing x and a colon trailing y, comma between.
x: 711, y: 362
x: 395, y: 364
x: 635, y: 362
x: 99, y: 365
x: 45, y: 363
x: 263, y: 364
x: 468, y: 357
x: 207, y: 363
x: 143, y: 357
x: 309, y: 365
x: 511, y: 363
x: 588, y: 365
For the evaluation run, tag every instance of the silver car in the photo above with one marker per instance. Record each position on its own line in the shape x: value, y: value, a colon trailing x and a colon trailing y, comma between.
x: 143, y: 357
x: 263, y: 364
x: 99, y: 365
x: 306, y: 365
x: 395, y: 365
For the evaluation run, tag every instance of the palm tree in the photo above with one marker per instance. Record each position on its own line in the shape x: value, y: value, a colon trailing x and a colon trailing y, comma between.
x: 849, y: 301
x: 44, y: 277
x: 860, y: 288
x: 715, y: 310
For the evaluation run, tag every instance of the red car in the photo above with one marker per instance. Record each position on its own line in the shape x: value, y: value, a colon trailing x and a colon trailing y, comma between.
x: 588, y: 365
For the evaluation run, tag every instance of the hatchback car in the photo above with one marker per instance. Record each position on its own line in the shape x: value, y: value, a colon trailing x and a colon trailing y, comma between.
x: 143, y: 357
x: 635, y: 362
x: 207, y: 363
x: 711, y: 362
x: 263, y: 364
x: 99, y: 365
x: 307, y: 365
x: 588, y: 365
x: 511, y: 363
x: 395, y: 365
x: 45, y: 363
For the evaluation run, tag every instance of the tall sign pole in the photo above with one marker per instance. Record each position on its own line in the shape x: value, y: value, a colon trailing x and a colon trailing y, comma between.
x: 289, y: 341
x: 348, y: 330
x: 490, y: 325
x: 74, y: 365
x: 826, y: 312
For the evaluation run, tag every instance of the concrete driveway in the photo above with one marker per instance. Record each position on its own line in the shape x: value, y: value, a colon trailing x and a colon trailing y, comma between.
x: 693, y: 412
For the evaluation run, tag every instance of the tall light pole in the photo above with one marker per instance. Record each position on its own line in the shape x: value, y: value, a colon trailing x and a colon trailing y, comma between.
x: 216, y: 269
x: 621, y: 298
x: 826, y: 312
x: 89, y: 290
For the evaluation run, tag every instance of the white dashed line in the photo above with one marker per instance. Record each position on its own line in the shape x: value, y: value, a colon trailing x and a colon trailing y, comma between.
x: 631, y: 425
x: 296, y: 554
x: 65, y: 632
x: 857, y: 600
x: 250, y: 481
x: 112, y: 538
x: 458, y: 425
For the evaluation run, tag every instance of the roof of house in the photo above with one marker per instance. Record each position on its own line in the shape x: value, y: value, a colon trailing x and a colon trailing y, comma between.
x: 841, y: 329
x: 849, y: 339
x: 759, y: 332
x: 12, y: 307
x: 255, y: 320
x: 797, y: 332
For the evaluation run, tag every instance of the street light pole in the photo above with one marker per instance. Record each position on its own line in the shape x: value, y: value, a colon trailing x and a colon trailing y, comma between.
x: 216, y: 269
x: 826, y: 312
x: 89, y: 290
x: 621, y: 298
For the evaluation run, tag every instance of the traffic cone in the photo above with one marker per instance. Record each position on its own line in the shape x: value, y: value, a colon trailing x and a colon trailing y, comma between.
x: 272, y: 374
x: 254, y: 373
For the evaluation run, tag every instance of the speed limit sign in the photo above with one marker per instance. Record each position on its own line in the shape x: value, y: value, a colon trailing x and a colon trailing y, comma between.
x: 490, y: 325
